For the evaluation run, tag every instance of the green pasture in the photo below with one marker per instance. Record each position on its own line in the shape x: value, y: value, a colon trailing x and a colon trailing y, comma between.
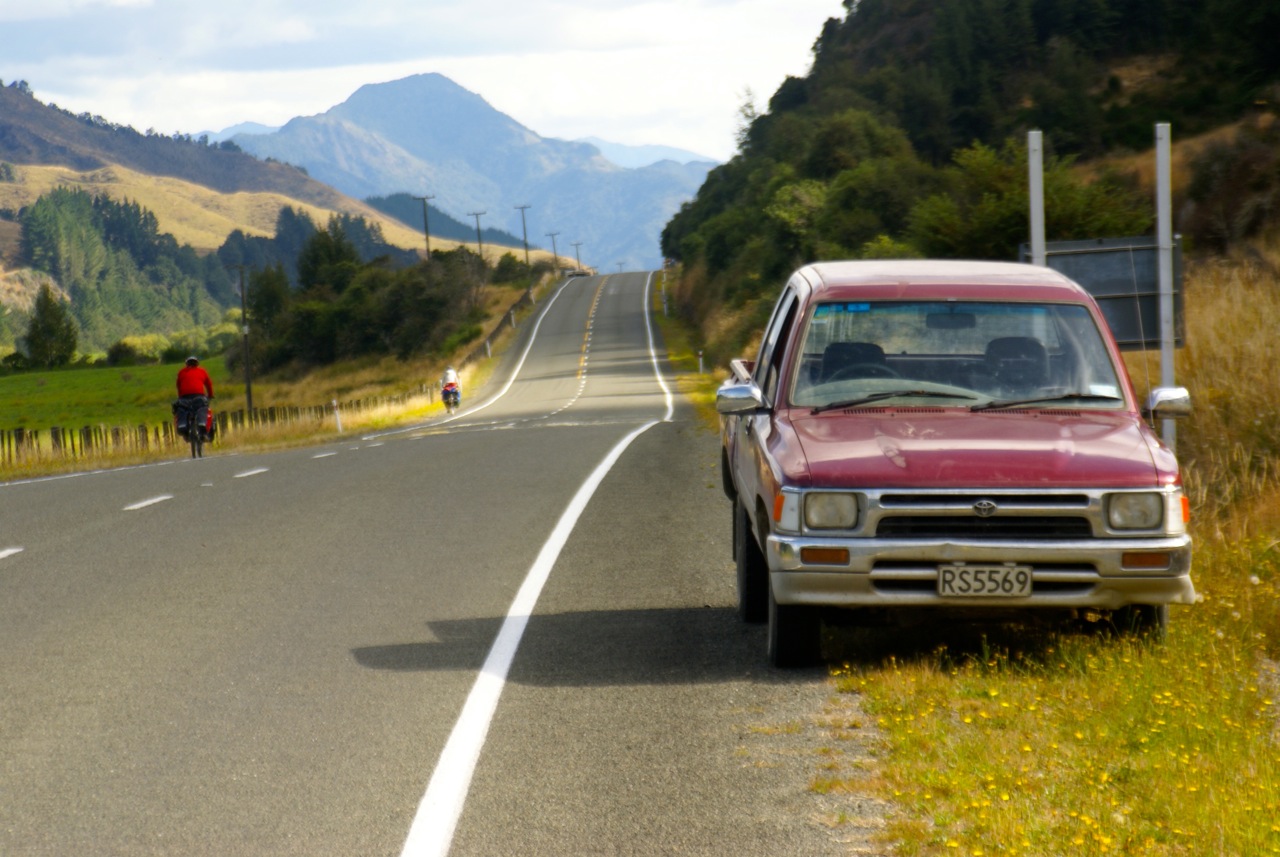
x: 108, y: 396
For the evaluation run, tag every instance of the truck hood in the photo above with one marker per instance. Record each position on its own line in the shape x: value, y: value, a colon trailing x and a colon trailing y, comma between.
x: 946, y: 448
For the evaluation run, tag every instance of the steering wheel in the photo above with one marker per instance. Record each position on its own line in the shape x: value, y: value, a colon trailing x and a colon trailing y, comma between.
x: 862, y: 370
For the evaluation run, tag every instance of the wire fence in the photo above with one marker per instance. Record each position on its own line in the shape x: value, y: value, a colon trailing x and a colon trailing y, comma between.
x: 23, y: 445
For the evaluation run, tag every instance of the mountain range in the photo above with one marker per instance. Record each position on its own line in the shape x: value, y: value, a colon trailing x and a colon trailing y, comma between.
x: 425, y: 135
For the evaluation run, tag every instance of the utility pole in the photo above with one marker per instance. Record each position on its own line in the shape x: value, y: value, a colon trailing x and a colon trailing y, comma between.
x: 244, y: 321
x: 577, y: 254
x: 552, y: 236
x: 479, y: 241
x: 525, y: 231
x: 426, y: 231
x: 482, y: 275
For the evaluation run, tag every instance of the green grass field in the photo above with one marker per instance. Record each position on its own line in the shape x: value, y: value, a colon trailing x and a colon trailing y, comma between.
x: 72, y: 398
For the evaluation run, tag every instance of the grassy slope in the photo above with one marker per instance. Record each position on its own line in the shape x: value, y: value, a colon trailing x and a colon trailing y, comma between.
x: 193, y: 214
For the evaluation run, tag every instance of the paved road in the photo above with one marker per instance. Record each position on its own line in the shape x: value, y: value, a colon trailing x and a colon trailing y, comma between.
x: 294, y: 653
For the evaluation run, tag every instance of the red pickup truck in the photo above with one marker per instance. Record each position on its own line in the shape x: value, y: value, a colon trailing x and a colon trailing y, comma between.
x: 950, y: 435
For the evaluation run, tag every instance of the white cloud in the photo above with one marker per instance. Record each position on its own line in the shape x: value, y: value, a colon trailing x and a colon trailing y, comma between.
x: 669, y: 72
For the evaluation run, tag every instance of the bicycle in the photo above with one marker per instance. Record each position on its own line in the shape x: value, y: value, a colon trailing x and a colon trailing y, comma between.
x: 192, y: 416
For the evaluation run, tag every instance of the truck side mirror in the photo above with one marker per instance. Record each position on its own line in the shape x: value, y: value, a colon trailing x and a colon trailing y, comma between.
x: 739, y: 398
x: 1168, y: 403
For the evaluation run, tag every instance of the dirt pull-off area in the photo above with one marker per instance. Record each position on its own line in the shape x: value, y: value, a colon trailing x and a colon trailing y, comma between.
x: 833, y: 749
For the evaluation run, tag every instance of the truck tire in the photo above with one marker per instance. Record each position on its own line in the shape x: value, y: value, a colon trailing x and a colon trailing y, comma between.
x: 795, y: 634
x: 753, y: 570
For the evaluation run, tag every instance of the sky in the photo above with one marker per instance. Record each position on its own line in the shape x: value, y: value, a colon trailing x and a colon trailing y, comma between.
x: 638, y: 72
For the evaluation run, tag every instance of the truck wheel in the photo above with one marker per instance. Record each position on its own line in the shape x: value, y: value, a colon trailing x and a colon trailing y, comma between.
x: 1142, y: 620
x: 795, y: 634
x: 753, y: 570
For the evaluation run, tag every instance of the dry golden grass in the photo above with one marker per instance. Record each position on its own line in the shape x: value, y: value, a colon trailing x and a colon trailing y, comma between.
x: 1142, y: 165
x: 1228, y: 447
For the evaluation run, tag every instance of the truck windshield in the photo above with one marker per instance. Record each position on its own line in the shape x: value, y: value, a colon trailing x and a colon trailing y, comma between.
x: 989, y: 351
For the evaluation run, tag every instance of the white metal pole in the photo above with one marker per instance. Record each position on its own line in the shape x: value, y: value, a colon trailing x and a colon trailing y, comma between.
x: 1035, y: 179
x: 1164, y: 238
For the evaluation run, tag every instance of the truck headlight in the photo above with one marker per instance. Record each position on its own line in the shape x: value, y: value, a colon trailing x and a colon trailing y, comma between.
x: 1144, y: 511
x: 830, y: 511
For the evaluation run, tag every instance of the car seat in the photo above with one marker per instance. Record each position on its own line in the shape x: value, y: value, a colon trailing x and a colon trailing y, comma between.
x: 842, y: 355
x: 1019, y: 364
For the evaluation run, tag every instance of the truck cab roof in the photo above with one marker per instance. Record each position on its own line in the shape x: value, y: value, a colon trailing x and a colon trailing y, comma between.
x: 939, y: 279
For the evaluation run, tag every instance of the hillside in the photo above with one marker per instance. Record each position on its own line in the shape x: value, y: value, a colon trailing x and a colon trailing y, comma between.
x: 199, y: 193
x: 192, y: 213
x: 137, y: 232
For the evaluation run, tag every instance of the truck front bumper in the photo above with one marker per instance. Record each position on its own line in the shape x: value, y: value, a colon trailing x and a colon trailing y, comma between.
x: 1105, y: 574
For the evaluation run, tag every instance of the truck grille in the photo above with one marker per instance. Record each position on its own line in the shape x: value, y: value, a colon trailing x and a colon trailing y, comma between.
x: 1028, y: 527
x: 984, y: 515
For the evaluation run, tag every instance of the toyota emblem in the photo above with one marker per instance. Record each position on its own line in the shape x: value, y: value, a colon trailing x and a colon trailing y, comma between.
x: 985, y: 508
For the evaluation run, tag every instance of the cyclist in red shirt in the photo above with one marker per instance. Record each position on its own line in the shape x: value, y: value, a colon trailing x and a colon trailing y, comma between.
x: 195, y: 388
x: 193, y: 380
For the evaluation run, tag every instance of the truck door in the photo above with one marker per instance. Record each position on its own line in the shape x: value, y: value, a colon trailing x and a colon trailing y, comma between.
x: 750, y: 446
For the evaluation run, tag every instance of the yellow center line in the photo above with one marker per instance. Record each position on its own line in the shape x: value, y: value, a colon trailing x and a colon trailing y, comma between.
x: 586, y: 334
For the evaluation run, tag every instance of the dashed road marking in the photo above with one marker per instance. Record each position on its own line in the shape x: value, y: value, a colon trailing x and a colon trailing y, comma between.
x: 142, y: 504
x: 252, y: 472
x: 8, y: 552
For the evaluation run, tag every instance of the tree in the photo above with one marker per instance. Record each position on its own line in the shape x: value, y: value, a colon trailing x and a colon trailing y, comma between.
x: 985, y: 214
x: 52, y: 335
x: 329, y: 260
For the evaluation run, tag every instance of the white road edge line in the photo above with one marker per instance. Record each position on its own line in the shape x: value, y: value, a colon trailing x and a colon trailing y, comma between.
x: 653, y: 354
x: 431, y: 834
x: 8, y: 552
x: 145, y: 503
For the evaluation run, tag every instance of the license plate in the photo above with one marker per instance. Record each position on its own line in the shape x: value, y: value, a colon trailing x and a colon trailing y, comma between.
x: 987, y: 581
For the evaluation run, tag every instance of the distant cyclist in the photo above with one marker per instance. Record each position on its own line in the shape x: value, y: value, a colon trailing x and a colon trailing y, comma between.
x: 450, y: 389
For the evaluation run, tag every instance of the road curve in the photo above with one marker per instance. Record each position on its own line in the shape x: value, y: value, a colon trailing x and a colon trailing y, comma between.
x: 270, y: 653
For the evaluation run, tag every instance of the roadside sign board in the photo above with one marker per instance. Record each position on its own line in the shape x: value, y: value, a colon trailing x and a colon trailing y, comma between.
x: 1122, y: 274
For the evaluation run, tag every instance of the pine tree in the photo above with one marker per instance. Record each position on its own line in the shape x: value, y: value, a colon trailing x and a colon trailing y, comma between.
x: 52, y: 335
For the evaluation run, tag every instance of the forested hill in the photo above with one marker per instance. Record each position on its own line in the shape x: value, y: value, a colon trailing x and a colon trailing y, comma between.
x: 907, y: 138
x: 1093, y: 74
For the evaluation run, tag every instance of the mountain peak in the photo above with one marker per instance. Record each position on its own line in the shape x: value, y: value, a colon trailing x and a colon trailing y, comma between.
x: 427, y: 134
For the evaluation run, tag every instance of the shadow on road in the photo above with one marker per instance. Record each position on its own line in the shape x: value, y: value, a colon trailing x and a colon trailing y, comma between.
x: 601, y: 648
x: 698, y: 645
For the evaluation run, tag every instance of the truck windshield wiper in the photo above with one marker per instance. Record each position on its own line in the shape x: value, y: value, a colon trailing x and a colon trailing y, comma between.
x: 1040, y: 400
x: 887, y: 394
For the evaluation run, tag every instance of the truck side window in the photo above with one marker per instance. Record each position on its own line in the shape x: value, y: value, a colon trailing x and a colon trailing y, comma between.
x: 774, y: 346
